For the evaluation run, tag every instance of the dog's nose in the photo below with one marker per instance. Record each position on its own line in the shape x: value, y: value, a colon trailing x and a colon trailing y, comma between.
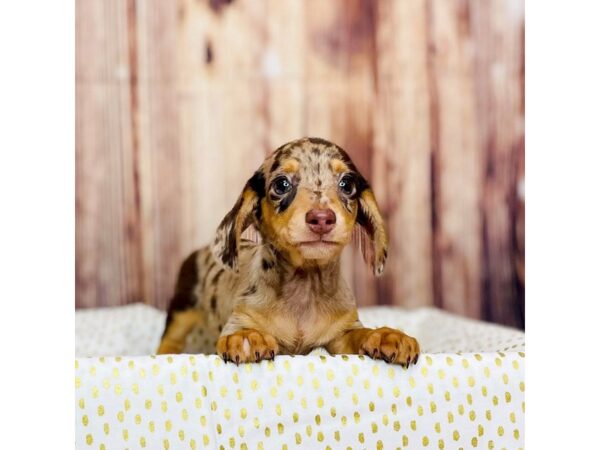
x: 320, y: 221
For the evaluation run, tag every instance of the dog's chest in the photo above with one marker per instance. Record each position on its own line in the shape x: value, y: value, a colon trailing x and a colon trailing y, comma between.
x: 302, y: 323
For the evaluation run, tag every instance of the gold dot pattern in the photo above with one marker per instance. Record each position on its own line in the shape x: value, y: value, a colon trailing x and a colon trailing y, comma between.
x: 205, y: 412
x: 450, y: 399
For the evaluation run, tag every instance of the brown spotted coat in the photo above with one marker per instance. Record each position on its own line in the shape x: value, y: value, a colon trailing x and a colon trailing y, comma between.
x: 284, y: 295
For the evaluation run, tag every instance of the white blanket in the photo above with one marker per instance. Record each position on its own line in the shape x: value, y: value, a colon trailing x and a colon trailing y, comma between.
x: 466, y: 391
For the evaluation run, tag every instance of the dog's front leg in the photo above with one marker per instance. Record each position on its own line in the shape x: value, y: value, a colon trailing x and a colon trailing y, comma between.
x: 393, y: 346
x: 246, y: 345
x: 175, y: 335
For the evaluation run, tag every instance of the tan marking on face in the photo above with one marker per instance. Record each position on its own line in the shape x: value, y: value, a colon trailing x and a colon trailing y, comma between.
x: 338, y: 166
x: 288, y: 230
x: 290, y: 165
x: 275, y: 228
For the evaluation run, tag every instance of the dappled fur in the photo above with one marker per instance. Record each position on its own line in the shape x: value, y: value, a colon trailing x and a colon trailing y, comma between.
x: 253, y: 300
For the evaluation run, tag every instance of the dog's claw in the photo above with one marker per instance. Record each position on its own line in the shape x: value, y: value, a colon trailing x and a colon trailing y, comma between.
x: 256, y: 347
x: 416, y: 359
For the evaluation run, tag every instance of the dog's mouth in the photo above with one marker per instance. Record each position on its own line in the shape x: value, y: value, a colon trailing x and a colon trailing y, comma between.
x: 318, y: 243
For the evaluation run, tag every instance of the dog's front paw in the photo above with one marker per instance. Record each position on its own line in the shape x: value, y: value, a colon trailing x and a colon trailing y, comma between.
x: 393, y: 346
x: 247, y: 346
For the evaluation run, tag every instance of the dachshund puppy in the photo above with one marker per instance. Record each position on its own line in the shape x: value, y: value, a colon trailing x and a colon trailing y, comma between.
x: 285, y: 295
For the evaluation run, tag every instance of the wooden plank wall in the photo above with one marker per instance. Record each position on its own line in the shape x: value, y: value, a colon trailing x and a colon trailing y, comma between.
x: 179, y: 101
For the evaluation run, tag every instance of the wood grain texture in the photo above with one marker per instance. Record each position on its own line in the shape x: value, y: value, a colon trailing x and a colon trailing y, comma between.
x: 179, y: 101
x: 458, y: 159
x: 158, y: 152
x: 401, y: 175
x: 107, y: 231
x: 499, y: 59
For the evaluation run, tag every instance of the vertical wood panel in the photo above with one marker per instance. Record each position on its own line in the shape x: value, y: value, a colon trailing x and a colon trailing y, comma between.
x: 402, y: 149
x: 497, y: 39
x: 158, y: 149
x: 283, y: 71
x: 457, y: 157
x: 107, y: 228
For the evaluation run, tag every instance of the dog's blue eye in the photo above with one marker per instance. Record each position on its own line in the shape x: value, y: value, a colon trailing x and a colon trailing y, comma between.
x: 346, y: 185
x: 281, y: 185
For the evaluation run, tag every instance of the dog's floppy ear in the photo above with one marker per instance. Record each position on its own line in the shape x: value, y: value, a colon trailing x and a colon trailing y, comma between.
x: 227, y: 241
x: 372, y: 235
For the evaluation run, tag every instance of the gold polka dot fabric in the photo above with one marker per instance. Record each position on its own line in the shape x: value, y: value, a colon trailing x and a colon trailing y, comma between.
x: 451, y: 399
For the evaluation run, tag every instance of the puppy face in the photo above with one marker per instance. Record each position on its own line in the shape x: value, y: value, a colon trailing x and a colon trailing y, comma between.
x: 306, y: 200
x: 311, y: 201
